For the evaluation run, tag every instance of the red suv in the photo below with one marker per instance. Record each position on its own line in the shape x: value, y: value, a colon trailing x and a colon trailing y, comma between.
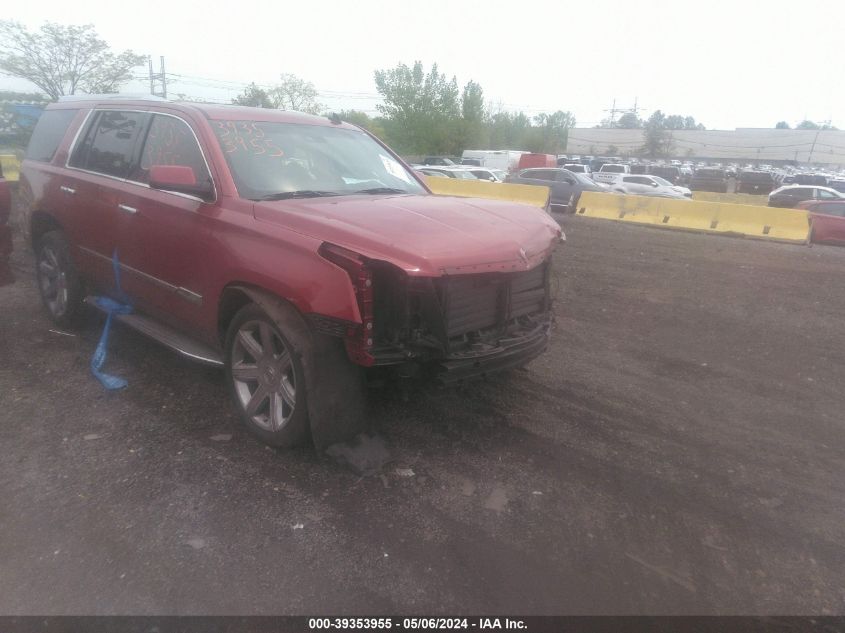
x: 294, y: 250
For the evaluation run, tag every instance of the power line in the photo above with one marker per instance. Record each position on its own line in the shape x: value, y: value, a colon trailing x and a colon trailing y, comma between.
x: 158, y: 78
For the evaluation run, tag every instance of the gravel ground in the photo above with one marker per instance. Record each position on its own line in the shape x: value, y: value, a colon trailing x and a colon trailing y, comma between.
x: 678, y: 450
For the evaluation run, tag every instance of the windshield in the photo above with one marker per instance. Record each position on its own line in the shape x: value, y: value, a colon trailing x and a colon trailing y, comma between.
x: 270, y: 159
x: 662, y: 181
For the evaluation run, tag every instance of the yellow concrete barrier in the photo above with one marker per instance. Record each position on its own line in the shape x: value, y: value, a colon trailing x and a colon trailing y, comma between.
x: 787, y: 225
x: 735, y: 198
x: 11, y: 166
x: 536, y: 196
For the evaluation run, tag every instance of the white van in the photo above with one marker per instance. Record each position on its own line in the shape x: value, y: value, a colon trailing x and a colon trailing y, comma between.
x: 506, y: 160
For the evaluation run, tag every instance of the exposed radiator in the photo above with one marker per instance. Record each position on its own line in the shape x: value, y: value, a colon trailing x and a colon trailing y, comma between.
x: 482, y: 301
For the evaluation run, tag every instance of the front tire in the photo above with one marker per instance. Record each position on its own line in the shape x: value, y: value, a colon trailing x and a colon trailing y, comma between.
x: 59, y: 284
x: 266, y: 378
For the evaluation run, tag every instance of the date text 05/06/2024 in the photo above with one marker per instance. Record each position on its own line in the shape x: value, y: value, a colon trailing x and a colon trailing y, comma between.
x: 415, y: 624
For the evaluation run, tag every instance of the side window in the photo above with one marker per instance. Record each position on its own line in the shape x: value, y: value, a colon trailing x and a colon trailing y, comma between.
x: 563, y: 176
x: 543, y: 174
x: 109, y: 145
x: 170, y: 141
x: 48, y: 133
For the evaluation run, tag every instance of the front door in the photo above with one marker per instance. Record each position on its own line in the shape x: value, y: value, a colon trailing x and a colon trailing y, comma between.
x: 163, y: 242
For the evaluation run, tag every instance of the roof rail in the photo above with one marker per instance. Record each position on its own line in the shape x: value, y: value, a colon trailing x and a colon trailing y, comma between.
x: 121, y: 97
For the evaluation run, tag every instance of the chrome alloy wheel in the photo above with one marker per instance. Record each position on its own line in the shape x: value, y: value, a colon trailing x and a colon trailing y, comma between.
x: 263, y: 375
x: 52, y: 280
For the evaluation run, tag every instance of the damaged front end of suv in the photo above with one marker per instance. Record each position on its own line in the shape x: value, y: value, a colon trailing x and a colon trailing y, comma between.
x: 455, y: 326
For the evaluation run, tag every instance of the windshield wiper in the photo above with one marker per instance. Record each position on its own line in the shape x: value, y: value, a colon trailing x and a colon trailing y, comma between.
x: 377, y: 190
x: 300, y: 193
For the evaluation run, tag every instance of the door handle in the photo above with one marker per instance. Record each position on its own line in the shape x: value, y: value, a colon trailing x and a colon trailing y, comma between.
x: 127, y: 209
x: 68, y: 190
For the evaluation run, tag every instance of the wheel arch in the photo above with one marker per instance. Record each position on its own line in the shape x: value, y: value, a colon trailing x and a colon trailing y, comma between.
x: 336, y: 398
x: 41, y: 222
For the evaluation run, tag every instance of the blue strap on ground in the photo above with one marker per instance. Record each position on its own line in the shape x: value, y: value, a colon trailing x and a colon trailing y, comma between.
x: 111, y: 308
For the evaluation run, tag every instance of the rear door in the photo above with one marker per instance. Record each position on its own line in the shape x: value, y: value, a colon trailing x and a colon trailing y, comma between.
x: 97, y: 168
x: 636, y: 184
x: 163, y: 238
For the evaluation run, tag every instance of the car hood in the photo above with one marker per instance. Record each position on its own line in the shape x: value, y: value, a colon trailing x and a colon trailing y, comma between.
x: 426, y: 235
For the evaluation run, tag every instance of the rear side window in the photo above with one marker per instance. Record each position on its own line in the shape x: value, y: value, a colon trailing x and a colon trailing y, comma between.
x: 800, y: 193
x: 110, y: 142
x: 48, y: 133
x: 539, y: 174
x: 170, y: 141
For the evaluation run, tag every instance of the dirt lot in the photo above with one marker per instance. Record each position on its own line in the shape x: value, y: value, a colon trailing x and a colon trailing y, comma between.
x: 679, y: 449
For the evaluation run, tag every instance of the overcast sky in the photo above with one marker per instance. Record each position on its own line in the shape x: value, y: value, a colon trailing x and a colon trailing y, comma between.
x: 728, y: 64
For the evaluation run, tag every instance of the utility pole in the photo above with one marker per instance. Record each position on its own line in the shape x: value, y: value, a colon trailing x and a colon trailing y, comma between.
x: 816, y: 138
x: 158, y: 78
x: 614, y: 110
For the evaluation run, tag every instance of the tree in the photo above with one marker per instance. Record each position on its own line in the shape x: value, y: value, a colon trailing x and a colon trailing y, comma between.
x: 811, y: 125
x: 294, y: 93
x: 473, y: 129
x: 422, y: 111
x: 782, y: 125
x: 629, y: 121
x: 554, y: 130
x: 612, y: 150
x: 658, y: 140
x: 253, y: 96
x: 362, y: 119
x: 62, y: 60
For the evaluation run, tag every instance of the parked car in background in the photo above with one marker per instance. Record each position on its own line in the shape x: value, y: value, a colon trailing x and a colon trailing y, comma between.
x: 453, y: 171
x: 491, y: 175
x: 578, y: 168
x: 671, y: 173
x: 607, y: 173
x: 527, y: 161
x: 789, y: 196
x: 5, y: 231
x: 827, y: 220
x: 294, y: 251
x: 438, y: 160
x: 709, y: 179
x: 837, y: 184
x: 755, y: 182
x: 817, y: 180
x: 644, y: 185
x: 565, y: 187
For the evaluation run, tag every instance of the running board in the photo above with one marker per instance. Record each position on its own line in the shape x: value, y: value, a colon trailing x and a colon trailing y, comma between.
x: 167, y: 336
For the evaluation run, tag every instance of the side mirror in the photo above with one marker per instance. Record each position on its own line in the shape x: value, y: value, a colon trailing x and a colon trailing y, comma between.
x: 180, y: 179
x: 492, y: 179
x: 654, y: 184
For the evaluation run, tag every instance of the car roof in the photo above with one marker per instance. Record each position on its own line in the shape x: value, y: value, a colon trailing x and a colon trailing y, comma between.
x: 790, y: 187
x: 214, y: 111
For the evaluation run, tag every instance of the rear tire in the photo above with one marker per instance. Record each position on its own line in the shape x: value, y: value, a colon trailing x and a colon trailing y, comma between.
x: 59, y: 283
x: 266, y: 379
